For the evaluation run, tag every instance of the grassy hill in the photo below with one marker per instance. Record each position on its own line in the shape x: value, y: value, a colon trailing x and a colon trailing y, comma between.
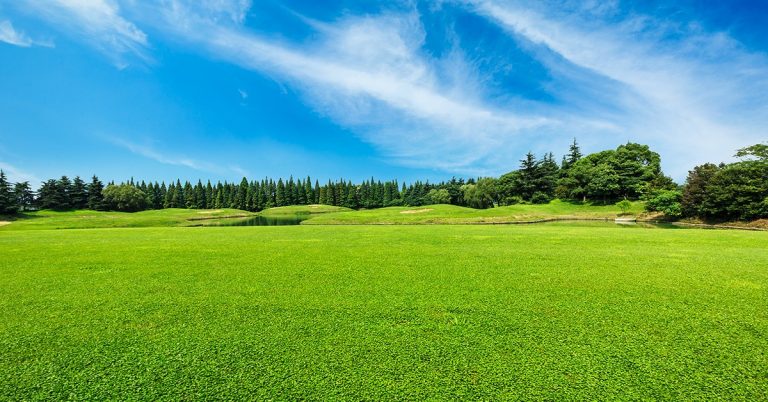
x: 519, y: 312
x: 317, y: 215
x: 451, y: 214
x: 86, y: 219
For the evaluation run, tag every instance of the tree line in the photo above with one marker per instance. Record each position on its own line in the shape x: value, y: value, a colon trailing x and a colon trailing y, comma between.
x: 629, y: 172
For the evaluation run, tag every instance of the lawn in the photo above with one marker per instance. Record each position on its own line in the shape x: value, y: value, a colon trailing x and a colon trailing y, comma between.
x: 560, y: 312
x: 87, y: 219
x: 452, y: 214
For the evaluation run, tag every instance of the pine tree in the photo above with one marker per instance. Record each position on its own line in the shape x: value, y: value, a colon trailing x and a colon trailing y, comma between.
x: 62, y: 195
x: 573, y: 156
x: 189, y: 196
x: 280, y: 199
x: 46, y: 195
x: 200, y: 195
x: 241, y: 201
x: 79, y: 195
x: 95, y: 194
x: 24, y: 195
x: 8, y: 204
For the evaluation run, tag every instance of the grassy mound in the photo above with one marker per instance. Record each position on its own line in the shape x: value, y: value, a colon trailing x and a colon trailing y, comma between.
x: 86, y: 219
x: 451, y: 214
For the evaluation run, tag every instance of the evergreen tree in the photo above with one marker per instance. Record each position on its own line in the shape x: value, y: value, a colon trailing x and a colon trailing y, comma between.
x: 79, y: 194
x: 8, y: 204
x: 189, y: 196
x: 25, y: 198
x: 209, y: 195
x: 95, y: 194
x: 573, y: 156
x: 46, y: 195
x: 242, y: 195
x: 62, y: 195
x: 280, y: 198
x: 528, y: 176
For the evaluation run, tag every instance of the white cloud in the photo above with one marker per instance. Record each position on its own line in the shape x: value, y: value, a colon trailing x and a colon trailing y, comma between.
x: 369, y: 74
x: 9, y: 34
x: 16, y: 175
x: 698, y: 97
x: 98, y: 22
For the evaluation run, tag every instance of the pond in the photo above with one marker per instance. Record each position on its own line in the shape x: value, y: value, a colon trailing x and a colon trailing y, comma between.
x: 281, y: 220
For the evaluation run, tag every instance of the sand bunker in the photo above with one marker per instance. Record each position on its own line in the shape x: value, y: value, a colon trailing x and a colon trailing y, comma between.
x: 416, y: 211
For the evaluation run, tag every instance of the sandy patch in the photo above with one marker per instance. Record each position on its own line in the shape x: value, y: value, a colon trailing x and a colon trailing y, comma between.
x: 416, y: 211
x: 3, y: 223
x: 210, y: 212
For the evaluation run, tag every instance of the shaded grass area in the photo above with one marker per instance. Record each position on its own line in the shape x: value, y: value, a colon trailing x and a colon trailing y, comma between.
x: 379, y: 312
x: 87, y: 219
x: 442, y: 214
x: 303, y: 209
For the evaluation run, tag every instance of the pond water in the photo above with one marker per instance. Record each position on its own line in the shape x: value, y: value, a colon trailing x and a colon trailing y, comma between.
x: 287, y: 220
x: 282, y: 220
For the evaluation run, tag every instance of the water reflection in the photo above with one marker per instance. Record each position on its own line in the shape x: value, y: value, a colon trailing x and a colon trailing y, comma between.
x: 282, y: 220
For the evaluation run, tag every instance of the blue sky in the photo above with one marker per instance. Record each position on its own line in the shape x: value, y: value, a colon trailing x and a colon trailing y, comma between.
x: 218, y: 89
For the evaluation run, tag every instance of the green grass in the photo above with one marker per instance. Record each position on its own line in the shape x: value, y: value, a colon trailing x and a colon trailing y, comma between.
x: 442, y: 214
x: 319, y: 214
x: 86, y: 219
x: 381, y: 312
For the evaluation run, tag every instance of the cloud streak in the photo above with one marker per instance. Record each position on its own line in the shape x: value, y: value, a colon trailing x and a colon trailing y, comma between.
x: 97, y: 22
x: 10, y: 35
x: 16, y: 175
x: 694, y: 95
x: 175, y: 160
x: 370, y: 74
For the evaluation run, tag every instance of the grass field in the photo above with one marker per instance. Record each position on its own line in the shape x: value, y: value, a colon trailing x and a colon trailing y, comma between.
x: 86, y: 219
x: 561, y: 312
x: 442, y: 214
x: 317, y: 214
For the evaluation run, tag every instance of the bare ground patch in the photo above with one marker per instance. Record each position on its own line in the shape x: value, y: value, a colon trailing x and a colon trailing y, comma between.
x: 3, y: 223
x: 417, y: 211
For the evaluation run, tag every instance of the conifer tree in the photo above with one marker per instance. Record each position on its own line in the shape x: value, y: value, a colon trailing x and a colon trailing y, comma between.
x: 95, y: 194
x: 79, y: 194
x: 8, y: 204
x: 62, y: 196
x: 22, y: 191
x: 242, y: 195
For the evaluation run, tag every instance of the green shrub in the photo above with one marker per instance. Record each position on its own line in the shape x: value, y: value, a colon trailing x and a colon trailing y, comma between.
x: 667, y: 202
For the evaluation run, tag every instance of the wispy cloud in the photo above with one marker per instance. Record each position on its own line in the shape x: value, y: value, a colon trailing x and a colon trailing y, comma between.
x: 150, y: 152
x: 16, y: 175
x: 696, y: 94
x: 98, y: 22
x: 9, y: 34
x: 370, y: 73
